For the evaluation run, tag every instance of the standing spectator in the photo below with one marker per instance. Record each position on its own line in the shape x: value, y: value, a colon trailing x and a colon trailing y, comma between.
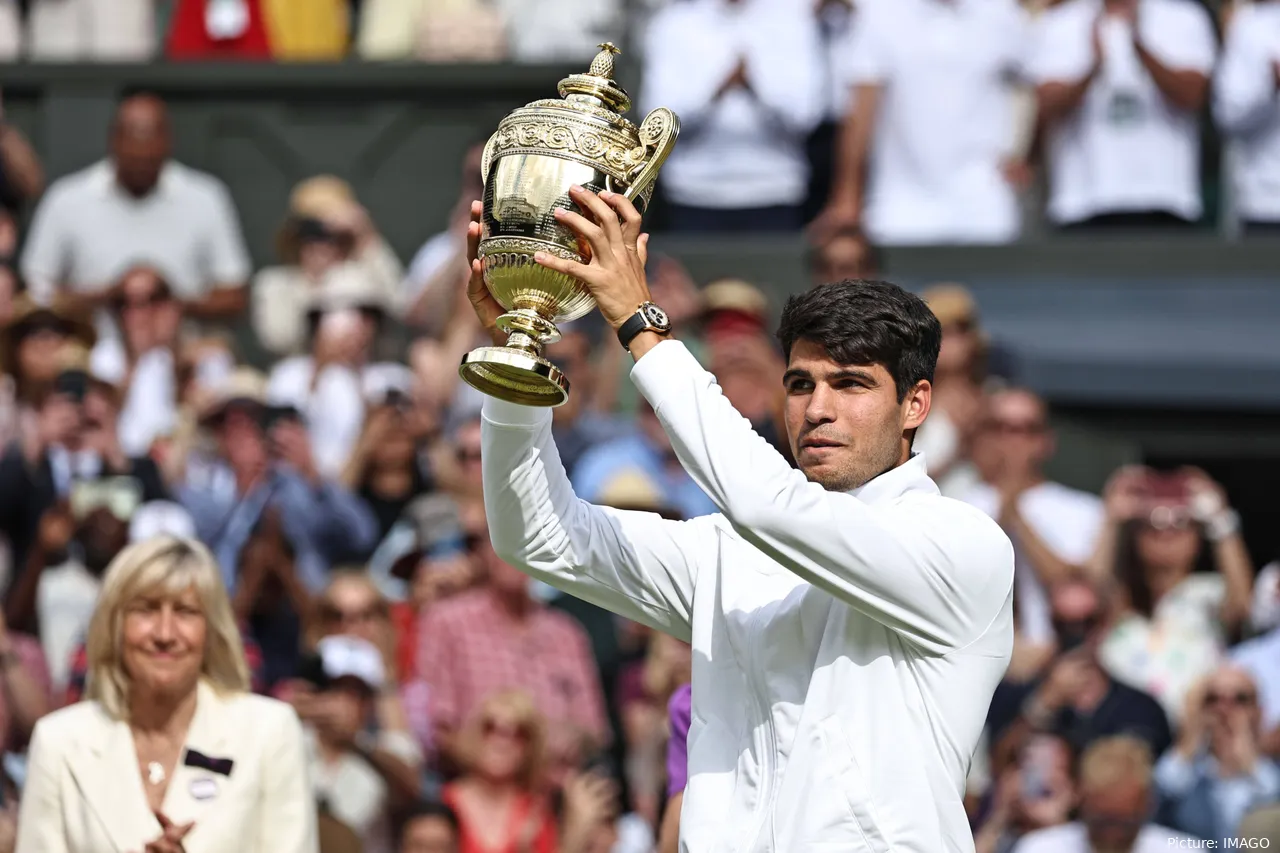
x: 138, y: 205
x: 1175, y: 622
x: 1053, y: 527
x: 1248, y: 111
x: 1120, y: 85
x: 90, y: 30
x: 327, y: 227
x: 745, y: 78
x: 1114, y: 810
x: 270, y: 465
x: 498, y: 637
x: 927, y: 150
x: 1216, y: 773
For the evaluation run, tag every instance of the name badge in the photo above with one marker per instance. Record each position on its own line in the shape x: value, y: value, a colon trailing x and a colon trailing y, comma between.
x: 204, y: 788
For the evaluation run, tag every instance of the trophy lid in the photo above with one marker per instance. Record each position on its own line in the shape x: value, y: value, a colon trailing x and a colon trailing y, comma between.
x: 598, y: 85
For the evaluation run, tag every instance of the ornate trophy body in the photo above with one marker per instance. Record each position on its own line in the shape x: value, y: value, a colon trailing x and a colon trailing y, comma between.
x: 539, y: 152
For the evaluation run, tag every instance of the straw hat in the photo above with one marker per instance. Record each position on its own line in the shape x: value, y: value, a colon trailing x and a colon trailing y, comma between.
x: 951, y: 303
x: 244, y: 385
x: 320, y: 196
x: 633, y: 489
x: 734, y: 294
x: 28, y: 315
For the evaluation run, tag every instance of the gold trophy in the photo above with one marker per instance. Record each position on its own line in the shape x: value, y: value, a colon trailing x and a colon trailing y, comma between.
x: 538, y: 153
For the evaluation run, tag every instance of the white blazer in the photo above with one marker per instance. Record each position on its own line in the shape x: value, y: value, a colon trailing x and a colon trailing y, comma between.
x: 84, y: 792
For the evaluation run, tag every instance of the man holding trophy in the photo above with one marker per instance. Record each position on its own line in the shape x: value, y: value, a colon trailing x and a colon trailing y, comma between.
x: 849, y: 625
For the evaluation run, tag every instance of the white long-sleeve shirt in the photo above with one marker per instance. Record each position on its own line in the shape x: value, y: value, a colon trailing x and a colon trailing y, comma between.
x: 746, y: 149
x: 845, y: 645
x: 1247, y: 108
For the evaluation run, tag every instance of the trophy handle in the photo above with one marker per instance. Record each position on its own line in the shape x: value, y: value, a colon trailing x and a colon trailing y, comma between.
x: 658, y: 134
x: 486, y: 159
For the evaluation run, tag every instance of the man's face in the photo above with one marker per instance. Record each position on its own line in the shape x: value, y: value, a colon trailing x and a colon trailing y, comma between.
x: 845, y: 422
x: 1114, y: 815
x: 1077, y: 616
x: 429, y: 834
x: 243, y: 445
x: 140, y: 151
x: 1019, y: 423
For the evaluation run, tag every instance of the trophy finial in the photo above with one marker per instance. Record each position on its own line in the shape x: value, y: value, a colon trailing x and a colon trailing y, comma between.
x: 602, y: 65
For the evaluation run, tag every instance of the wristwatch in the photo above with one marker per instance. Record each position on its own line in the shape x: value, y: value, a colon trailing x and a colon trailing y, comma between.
x: 648, y: 318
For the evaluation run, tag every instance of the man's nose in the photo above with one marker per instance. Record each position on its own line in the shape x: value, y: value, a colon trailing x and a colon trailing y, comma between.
x: 821, y: 408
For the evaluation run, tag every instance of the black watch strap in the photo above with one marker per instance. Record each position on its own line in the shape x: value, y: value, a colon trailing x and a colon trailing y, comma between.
x: 627, y: 332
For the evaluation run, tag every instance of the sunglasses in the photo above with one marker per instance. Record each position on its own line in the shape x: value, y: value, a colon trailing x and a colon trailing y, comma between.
x: 1240, y: 697
x: 468, y: 454
x: 959, y: 327
x: 512, y: 731
x: 338, y: 616
x: 144, y: 302
x: 1027, y: 428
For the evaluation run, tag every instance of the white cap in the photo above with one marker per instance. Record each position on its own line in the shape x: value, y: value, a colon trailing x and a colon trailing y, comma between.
x: 161, y: 518
x: 381, y: 379
x: 351, y: 657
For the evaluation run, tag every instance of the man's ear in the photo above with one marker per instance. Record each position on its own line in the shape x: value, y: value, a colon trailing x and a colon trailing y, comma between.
x: 916, y: 405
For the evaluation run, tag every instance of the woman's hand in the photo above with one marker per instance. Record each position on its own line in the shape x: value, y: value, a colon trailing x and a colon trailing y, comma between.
x: 170, y: 840
x: 1125, y: 493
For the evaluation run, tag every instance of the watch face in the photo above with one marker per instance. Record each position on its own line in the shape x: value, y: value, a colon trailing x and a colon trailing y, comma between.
x: 656, y: 316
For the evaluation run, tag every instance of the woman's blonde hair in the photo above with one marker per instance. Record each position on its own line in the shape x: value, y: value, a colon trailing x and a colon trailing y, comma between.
x: 518, y: 704
x: 1115, y: 760
x: 170, y: 566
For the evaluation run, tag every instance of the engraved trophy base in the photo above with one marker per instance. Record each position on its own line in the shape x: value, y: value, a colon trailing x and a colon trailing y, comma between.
x: 517, y: 372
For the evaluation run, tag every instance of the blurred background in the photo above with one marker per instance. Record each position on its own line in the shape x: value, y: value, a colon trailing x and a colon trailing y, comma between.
x: 232, y: 239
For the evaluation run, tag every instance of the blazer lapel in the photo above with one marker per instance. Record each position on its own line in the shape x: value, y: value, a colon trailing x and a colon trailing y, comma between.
x: 112, y: 787
x: 195, y: 793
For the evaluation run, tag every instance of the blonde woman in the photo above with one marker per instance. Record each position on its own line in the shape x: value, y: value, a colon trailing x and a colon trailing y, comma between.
x: 170, y: 752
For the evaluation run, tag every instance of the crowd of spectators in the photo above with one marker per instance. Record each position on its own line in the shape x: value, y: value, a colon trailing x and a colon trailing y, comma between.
x: 450, y: 703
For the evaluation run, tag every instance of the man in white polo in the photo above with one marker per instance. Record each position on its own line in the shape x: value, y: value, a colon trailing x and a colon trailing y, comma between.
x: 849, y: 625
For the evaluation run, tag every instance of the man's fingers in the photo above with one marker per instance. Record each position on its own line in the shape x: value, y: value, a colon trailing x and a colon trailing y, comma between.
x: 631, y: 221
x: 582, y: 272
x: 604, y: 214
x: 586, y: 229
x: 165, y: 823
x: 474, y: 230
x: 642, y: 249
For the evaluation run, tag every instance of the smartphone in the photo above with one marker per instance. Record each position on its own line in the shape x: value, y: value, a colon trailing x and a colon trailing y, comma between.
x: 121, y: 496
x: 1036, y: 771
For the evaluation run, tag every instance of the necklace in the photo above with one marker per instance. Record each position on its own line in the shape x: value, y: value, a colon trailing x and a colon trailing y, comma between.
x: 155, y: 772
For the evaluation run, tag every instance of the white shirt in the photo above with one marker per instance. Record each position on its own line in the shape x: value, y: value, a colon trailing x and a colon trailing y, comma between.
x: 845, y: 645
x: 748, y: 148
x: 150, y: 409
x: 65, y: 599
x: 1068, y: 521
x: 1074, y: 838
x: 946, y: 117
x: 1247, y: 108
x: 87, y: 232
x: 355, y: 792
x: 1126, y: 148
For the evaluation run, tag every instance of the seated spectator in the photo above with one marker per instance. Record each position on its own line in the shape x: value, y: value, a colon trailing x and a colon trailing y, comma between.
x: 33, y: 337
x: 71, y: 445
x: 360, y: 777
x: 497, y: 637
x: 1175, y: 621
x: 327, y: 386
x: 305, y: 31
x: 1120, y: 85
x: 217, y: 29
x: 1053, y: 527
x: 326, y: 228
x: 1076, y: 699
x: 1216, y: 772
x: 25, y: 691
x: 1248, y: 113
x: 1033, y: 794
x: 138, y: 205
x: 1115, y: 791
x: 499, y: 799
x: 560, y: 30
x: 143, y: 360
x: 265, y: 463
x: 90, y: 31
x: 914, y: 165
x: 388, y: 467
x: 442, y: 31
x: 747, y: 100
x: 430, y: 828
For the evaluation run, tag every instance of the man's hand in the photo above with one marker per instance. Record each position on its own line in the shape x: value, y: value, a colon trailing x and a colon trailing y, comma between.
x: 486, y: 307
x: 615, y: 276
x: 293, y: 446
x: 1066, y: 679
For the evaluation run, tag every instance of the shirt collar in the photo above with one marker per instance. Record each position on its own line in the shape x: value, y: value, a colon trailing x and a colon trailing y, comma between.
x: 910, y: 476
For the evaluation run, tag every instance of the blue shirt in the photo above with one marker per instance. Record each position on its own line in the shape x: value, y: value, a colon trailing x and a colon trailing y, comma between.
x: 634, y: 452
x: 325, y: 523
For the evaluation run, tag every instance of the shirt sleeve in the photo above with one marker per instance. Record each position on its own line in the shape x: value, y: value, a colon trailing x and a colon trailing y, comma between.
x: 682, y: 69
x: 680, y: 715
x: 228, y: 261
x: 635, y: 564
x: 867, y: 60
x: 1184, y: 40
x: 45, y: 258
x: 1061, y: 50
x: 786, y: 73
x: 936, y: 571
x: 1244, y: 90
